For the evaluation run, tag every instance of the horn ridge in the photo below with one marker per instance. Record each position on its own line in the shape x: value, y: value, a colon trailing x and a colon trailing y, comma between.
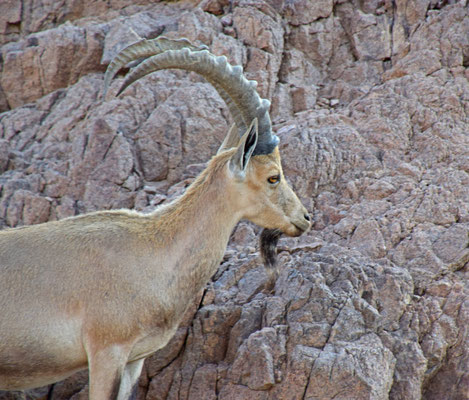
x: 144, y: 48
x: 232, y: 86
x: 240, y: 94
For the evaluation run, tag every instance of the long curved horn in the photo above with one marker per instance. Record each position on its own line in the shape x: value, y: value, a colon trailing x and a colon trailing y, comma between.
x: 144, y: 48
x: 239, y: 94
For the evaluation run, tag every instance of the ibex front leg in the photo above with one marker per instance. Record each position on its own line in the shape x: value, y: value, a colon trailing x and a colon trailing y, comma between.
x: 106, y: 369
x: 129, y: 381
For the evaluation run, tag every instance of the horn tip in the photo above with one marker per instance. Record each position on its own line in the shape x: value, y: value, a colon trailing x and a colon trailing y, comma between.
x: 121, y: 89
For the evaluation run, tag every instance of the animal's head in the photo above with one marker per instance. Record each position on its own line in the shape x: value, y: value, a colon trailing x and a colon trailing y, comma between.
x: 255, y: 177
x: 257, y: 184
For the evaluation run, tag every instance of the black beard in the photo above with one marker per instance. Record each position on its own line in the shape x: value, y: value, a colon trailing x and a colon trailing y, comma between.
x: 268, y: 246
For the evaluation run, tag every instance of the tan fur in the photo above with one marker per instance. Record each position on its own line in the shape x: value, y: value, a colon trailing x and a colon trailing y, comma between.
x: 106, y: 289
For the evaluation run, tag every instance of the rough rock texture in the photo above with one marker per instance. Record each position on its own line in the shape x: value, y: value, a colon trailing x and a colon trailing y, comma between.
x: 371, y: 102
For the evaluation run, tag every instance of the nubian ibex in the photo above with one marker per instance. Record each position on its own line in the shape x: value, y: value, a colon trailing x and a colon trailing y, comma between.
x: 104, y: 290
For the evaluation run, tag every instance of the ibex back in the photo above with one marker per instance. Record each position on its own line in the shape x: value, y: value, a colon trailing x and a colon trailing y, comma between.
x: 104, y: 290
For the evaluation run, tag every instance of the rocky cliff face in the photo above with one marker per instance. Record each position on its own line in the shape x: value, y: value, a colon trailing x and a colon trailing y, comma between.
x: 371, y: 102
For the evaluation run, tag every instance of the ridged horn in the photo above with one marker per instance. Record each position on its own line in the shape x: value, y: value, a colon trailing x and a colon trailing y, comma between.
x: 143, y: 49
x: 239, y: 94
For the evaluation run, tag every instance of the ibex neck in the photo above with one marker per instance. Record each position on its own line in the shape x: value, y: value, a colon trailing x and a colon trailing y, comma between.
x: 205, y: 208
x: 198, y: 227
x: 205, y: 214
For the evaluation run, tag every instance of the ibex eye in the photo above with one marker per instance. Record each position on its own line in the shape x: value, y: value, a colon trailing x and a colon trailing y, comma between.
x: 274, y: 179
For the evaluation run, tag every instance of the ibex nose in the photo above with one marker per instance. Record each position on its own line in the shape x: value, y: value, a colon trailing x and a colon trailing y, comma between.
x: 307, y: 217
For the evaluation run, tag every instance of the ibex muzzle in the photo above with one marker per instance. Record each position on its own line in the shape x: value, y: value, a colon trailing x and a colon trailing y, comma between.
x: 104, y: 290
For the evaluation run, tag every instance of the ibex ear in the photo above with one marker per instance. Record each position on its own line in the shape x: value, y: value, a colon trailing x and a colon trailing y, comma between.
x: 231, y: 139
x: 246, y: 146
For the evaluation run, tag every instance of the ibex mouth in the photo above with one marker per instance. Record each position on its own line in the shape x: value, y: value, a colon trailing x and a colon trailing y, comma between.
x: 302, y: 225
x: 302, y: 228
